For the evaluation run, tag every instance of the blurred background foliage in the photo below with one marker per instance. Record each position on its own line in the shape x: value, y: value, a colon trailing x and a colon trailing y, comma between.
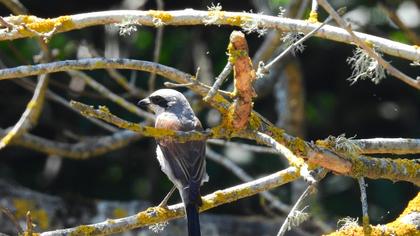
x: 331, y: 107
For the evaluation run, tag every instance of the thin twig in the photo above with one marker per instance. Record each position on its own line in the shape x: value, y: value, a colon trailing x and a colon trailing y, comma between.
x: 29, y: 225
x: 245, y: 177
x: 248, y: 147
x: 174, y: 85
x: 287, y: 153
x: 29, y: 85
x: 391, y: 70
x: 265, y: 68
x: 219, y: 81
x: 363, y: 199
x: 111, y: 96
x: 293, y: 216
x: 396, y: 19
x: 12, y: 218
x: 30, y: 115
x: 5, y: 24
x: 81, y: 150
x: 119, y: 78
x: 156, y: 50
x: 15, y: 6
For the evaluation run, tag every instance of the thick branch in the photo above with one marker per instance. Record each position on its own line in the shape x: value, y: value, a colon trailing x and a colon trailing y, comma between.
x: 194, y: 17
x: 364, y: 166
x: 388, y: 145
x: 155, y: 215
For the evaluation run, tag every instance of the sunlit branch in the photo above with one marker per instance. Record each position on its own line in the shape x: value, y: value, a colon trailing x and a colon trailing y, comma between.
x: 195, y: 17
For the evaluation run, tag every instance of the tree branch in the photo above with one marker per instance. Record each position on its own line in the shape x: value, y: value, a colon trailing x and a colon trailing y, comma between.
x: 398, y: 146
x: 245, y: 177
x: 155, y: 215
x: 297, y: 146
x: 31, y: 114
x: 361, y: 43
x: 195, y: 17
x: 81, y: 150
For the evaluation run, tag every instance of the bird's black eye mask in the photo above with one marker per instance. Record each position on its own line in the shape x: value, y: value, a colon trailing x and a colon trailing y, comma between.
x: 160, y: 101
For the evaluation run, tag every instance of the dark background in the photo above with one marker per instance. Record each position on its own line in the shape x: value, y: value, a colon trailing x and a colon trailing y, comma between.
x: 332, y: 107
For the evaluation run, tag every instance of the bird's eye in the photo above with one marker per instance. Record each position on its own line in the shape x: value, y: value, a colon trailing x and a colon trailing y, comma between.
x: 160, y: 101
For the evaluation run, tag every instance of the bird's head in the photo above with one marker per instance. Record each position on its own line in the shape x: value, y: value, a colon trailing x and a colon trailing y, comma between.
x: 165, y: 100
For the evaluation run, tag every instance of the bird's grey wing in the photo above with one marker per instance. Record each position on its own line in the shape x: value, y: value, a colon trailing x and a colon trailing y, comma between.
x: 186, y: 160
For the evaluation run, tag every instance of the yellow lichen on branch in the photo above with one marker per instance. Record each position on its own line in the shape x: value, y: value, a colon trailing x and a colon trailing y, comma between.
x: 39, y: 25
x: 364, y: 166
x: 154, y: 215
x: 104, y: 114
x: 164, y: 16
x: 404, y: 225
x: 244, y: 77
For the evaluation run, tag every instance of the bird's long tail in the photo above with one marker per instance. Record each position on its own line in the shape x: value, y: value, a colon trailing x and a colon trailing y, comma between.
x: 192, y: 200
x: 193, y: 220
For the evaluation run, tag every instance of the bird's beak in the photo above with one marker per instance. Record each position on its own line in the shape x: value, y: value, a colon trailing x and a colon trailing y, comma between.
x: 144, y: 104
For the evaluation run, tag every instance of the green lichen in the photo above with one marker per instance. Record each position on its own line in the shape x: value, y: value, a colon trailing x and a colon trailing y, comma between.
x: 83, y: 230
x: 234, y: 53
x: 298, y: 146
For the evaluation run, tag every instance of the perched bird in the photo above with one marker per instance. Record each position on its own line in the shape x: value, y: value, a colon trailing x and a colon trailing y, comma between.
x: 183, y: 163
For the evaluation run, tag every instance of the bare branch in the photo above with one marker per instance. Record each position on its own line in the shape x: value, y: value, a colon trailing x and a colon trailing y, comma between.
x: 361, y: 43
x: 15, y: 6
x: 244, y: 146
x: 81, y: 150
x: 398, y: 146
x: 219, y: 81
x: 119, y: 78
x: 31, y: 114
x: 245, y: 177
x: 296, y: 216
x: 112, y: 96
x: 158, y: 47
x: 11, y: 218
x: 194, y: 17
x: 363, y: 199
x: 29, y: 85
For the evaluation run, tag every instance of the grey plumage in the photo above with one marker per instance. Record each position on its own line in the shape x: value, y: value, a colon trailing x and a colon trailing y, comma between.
x: 183, y: 163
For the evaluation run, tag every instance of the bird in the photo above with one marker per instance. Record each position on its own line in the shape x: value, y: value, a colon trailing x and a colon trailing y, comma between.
x: 183, y: 162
